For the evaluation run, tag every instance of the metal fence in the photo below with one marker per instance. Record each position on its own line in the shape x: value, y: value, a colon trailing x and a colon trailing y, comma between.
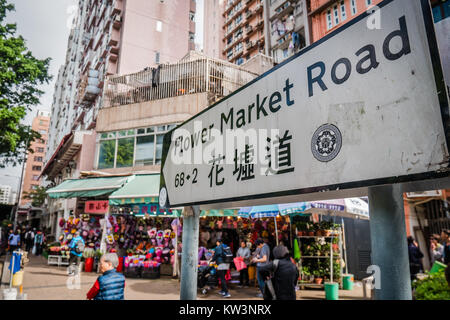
x: 217, y: 78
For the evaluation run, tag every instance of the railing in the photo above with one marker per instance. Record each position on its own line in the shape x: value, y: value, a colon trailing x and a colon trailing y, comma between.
x: 215, y: 77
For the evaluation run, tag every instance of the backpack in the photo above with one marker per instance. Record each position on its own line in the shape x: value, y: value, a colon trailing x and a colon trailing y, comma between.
x: 79, y: 247
x: 227, y: 255
x: 28, y: 235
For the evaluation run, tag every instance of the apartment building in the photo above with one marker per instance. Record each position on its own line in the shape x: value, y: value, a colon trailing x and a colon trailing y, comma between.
x: 245, y: 33
x: 108, y: 37
x: 289, y: 29
x: 5, y: 194
x: 213, y: 31
x: 35, y: 161
x: 328, y: 15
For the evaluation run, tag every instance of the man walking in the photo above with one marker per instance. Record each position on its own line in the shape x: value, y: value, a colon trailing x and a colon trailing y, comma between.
x: 29, y: 239
x: 218, y: 257
x: 14, y: 241
x: 261, y: 260
x: 76, y: 252
x: 38, y: 240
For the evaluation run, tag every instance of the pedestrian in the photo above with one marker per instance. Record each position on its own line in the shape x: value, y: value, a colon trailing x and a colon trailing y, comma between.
x: 29, y: 240
x: 436, y: 249
x: 261, y: 259
x: 222, y: 268
x: 111, y: 284
x: 14, y: 241
x: 445, y: 241
x: 77, y: 247
x: 415, y: 258
x: 284, y: 275
x: 244, y: 253
x: 38, y: 240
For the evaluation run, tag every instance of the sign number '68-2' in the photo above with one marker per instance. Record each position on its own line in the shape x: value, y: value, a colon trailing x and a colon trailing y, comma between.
x: 180, y: 178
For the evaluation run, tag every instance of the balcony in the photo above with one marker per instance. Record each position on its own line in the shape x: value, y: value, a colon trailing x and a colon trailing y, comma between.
x: 248, y: 14
x: 117, y: 24
x: 249, y: 30
x: 249, y: 45
x: 88, y: 89
x: 259, y: 8
x: 287, y: 8
x: 183, y: 78
x: 117, y: 8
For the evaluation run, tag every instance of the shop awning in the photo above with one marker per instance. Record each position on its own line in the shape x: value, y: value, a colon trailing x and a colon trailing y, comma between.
x: 143, y: 189
x: 90, y: 187
x: 221, y: 213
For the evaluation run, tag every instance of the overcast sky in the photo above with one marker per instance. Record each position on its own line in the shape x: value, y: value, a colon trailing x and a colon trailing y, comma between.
x: 44, y: 24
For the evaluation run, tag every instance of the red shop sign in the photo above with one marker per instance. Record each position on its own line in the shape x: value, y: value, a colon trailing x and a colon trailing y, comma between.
x: 98, y: 206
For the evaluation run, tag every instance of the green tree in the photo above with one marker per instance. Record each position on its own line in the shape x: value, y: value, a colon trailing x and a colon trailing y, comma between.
x: 37, y: 196
x: 20, y: 76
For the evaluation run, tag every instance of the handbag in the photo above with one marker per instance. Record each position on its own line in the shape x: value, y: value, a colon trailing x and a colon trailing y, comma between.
x: 269, y: 290
x: 239, y: 263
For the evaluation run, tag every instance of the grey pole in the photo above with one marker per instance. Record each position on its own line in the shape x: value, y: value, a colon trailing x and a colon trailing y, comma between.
x: 389, y: 246
x: 189, y: 255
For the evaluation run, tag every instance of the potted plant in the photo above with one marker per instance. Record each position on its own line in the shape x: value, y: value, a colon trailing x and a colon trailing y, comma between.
x: 317, y: 277
x: 310, y: 229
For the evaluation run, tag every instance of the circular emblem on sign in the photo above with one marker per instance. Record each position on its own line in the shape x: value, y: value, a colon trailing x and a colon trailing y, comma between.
x: 326, y: 143
x: 163, y: 197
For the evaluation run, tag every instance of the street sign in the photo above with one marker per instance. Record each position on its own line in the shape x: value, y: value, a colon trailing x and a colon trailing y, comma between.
x: 363, y: 106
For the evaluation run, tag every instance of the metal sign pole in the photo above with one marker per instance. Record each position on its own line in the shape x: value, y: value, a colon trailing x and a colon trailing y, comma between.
x: 389, y: 247
x: 189, y: 256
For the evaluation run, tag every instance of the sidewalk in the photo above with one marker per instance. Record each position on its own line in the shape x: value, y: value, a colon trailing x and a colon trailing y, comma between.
x: 43, y: 282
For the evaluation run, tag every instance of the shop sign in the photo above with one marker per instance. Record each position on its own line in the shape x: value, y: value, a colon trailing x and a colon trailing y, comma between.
x: 149, y: 209
x: 364, y: 106
x: 97, y: 206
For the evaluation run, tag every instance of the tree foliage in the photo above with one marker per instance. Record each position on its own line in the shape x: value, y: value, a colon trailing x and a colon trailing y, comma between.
x: 21, y: 74
x: 37, y: 196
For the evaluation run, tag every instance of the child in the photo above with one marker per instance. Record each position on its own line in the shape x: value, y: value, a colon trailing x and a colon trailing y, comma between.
x: 110, y: 285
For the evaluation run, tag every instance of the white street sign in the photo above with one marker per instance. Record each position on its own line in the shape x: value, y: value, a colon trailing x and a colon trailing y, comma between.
x: 363, y: 106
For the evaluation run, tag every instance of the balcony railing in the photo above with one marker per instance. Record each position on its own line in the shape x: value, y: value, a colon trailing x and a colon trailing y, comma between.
x: 216, y: 77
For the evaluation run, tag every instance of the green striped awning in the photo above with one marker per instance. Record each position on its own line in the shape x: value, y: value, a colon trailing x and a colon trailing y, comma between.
x: 142, y: 189
x: 89, y: 187
x: 220, y: 213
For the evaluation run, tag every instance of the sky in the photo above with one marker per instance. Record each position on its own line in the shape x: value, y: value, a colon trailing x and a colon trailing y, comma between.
x: 45, y: 25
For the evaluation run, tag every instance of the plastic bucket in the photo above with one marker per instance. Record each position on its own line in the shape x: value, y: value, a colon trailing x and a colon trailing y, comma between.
x: 17, y: 279
x: 437, y: 266
x: 331, y: 291
x: 10, y: 294
x: 88, y: 264
x: 347, y: 281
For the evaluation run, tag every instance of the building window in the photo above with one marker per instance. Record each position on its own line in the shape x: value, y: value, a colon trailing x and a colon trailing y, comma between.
x: 239, y: 19
x: 39, y: 149
x: 343, y: 13
x: 35, y: 178
x: 239, y: 47
x: 157, y: 57
x: 192, y: 16
x: 329, y: 20
x: 368, y: 2
x: 240, y: 61
x: 441, y: 10
x: 34, y: 186
x: 230, y: 53
x: 336, y: 15
x: 159, y: 26
x: 353, y: 6
x: 36, y: 168
x: 230, y: 40
x: 132, y: 145
x: 191, y: 36
x: 38, y: 159
x: 125, y: 152
x: 107, y: 154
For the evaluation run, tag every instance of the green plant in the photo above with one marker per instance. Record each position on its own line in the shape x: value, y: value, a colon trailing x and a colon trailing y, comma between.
x: 433, y: 287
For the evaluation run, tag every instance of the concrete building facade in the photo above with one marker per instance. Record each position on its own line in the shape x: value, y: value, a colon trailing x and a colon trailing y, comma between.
x: 328, y: 15
x: 108, y: 37
x: 35, y: 161
x: 213, y: 32
x: 244, y: 30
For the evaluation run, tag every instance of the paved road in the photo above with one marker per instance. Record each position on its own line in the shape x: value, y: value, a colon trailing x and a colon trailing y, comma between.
x: 43, y: 282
